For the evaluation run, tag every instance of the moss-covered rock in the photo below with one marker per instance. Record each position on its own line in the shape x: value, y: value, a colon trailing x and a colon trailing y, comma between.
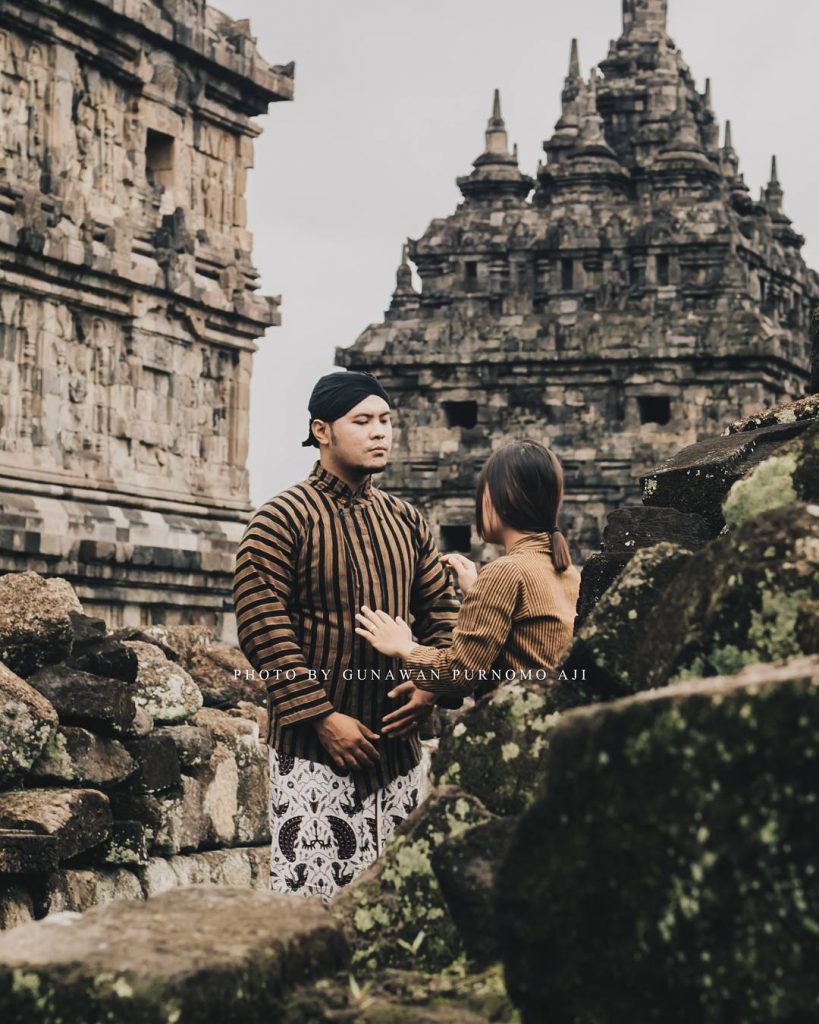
x: 394, y: 913
x: 599, y: 664
x: 196, y: 955
x: 163, y: 688
x: 669, y: 871
x: 791, y: 475
x: 736, y: 602
x: 35, y: 627
x: 496, y: 749
x: 27, y: 723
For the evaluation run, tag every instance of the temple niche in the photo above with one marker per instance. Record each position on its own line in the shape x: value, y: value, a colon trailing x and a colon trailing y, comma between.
x: 129, y: 303
x: 629, y: 299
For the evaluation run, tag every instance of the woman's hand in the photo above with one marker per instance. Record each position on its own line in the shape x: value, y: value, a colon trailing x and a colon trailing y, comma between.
x: 465, y: 570
x: 392, y: 637
x: 416, y: 708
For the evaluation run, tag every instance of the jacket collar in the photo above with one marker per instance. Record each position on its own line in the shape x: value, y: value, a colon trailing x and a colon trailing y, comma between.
x: 532, y: 542
x: 328, y: 482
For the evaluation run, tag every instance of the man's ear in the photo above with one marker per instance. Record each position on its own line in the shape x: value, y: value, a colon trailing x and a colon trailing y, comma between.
x: 321, y: 431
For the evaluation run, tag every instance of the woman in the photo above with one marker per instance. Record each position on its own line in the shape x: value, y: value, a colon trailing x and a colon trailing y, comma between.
x: 518, y: 614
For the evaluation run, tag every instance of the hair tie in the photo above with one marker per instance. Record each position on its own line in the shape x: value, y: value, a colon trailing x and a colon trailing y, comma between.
x: 555, y: 529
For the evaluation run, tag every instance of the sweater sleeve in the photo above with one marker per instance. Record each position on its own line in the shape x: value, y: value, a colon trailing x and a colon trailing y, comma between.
x: 263, y: 586
x: 482, y: 628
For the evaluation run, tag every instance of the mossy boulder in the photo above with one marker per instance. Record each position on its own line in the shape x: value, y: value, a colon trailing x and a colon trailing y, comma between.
x: 791, y: 475
x: 395, y: 914
x: 35, y: 625
x: 599, y: 664
x: 736, y: 602
x: 195, y: 955
x: 668, y: 874
x: 163, y: 688
x: 496, y: 749
x: 27, y: 723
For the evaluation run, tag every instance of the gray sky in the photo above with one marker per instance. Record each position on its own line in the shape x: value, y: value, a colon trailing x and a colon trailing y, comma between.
x: 391, y: 102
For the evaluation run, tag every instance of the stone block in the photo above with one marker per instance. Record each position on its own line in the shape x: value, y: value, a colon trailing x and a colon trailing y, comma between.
x: 196, y: 954
x: 194, y: 744
x: 25, y: 853
x: 157, y: 762
x: 27, y: 720
x: 35, y: 627
x: 75, y: 756
x: 76, y: 818
x: 163, y: 688
x: 16, y: 906
x: 80, y: 698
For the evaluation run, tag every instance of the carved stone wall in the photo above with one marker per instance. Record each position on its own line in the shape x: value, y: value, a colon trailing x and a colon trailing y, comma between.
x: 639, y: 299
x: 129, y: 306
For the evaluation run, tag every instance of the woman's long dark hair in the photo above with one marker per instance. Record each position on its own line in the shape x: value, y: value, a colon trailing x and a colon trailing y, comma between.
x: 525, y: 481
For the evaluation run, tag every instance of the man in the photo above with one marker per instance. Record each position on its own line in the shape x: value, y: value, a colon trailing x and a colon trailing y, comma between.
x: 344, y: 760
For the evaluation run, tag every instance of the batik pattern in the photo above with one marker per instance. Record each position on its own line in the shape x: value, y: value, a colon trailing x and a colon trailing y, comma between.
x: 323, y: 834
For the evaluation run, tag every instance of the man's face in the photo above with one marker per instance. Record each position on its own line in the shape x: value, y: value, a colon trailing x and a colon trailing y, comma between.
x: 362, y: 438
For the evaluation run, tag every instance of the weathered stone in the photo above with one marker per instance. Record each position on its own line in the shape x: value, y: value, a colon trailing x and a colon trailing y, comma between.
x: 736, y: 602
x: 174, y: 820
x: 599, y: 664
x: 163, y: 688
x: 177, y: 643
x: 105, y: 657
x: 76, y: 818
x: 79, y: 889
x: 83, y: 699
x: 668, y: 872
x: 234, y: 781
x: 791, y: 475
x: 626, y: 309
x: 245, y: 867
x: 24, y: 853
x: 35, y: 628
x: 496, y: 750
x: 225, y: 676
x: 629, y: 530
x: 699, y: 477
x: 126, y: 846
x: 157, y: 762
x: 16, y: 906
x: 197, y: 955
x: 194, y: 744
x: 27, y: 720
x: 814, y: 363
x: 85, y: 629
x: 78, y: 757
x: 394, y: 913
x: 466, y: 866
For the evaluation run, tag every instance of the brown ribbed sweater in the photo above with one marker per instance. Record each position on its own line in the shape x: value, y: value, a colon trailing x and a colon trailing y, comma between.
x: 518, y: 616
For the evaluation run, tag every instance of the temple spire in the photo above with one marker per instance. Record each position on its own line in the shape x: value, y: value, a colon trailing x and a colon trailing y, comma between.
x: 496, y: 172
x: 405, y: 296
x: 574, y: 61
x: 728, y: 136
x: 774, y: 172
x: 706, y: 98
x: 774, y: 194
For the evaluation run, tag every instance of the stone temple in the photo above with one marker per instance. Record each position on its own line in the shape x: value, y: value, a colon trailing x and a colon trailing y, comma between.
x: 630, y: 300
x: 129, y: 305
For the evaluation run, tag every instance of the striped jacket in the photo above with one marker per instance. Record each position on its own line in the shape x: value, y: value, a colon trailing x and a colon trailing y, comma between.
x: 518, y: 616
x: 309, y: 558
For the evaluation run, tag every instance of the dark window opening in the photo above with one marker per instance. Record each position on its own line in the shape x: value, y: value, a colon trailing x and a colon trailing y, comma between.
x: 663, y: 270
x: 655, y: 409
x: 159, y: 158
x: 461, y: 414
x: 567, y: 275
x: 471, y: 274
x: 8, y: 343
x: 634, y: 275
x: 456, y: 538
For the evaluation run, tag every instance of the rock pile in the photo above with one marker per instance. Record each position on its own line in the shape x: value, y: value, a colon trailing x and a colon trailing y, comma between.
x: 130, y: 762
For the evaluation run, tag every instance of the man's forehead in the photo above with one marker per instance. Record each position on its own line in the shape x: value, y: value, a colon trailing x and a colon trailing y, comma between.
x: 371, y: 405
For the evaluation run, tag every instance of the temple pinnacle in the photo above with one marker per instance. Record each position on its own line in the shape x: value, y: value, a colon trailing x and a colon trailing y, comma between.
x: 774, y: 174
x: 574, y: 61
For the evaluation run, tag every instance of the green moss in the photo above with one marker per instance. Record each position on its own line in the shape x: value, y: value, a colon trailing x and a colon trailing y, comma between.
x: 769, y: 485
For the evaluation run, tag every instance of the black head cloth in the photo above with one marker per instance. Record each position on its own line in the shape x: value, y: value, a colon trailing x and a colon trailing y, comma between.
x: 337, y: 393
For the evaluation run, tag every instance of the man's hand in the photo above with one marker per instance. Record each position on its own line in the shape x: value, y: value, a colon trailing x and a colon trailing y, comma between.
x: 405, y: 719
x: 348, y: 741
x: 465, y: 571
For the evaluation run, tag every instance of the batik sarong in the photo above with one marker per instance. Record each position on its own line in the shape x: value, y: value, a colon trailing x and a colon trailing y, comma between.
x: 323, y: 834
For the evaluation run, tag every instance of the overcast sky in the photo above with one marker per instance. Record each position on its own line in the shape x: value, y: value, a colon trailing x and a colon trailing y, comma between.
x: 392, y: 97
